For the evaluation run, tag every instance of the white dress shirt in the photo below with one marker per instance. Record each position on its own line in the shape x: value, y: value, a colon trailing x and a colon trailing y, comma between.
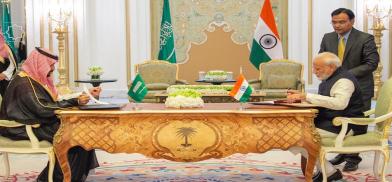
x: 340, y: 95
x: 10, y: 69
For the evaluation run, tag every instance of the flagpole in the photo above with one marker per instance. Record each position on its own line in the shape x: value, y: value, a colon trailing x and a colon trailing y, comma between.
x: 241, y: 103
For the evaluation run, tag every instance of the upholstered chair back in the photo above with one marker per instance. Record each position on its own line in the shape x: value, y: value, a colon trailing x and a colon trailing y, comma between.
x: 384, y: 105
x: 158, y: 72
x: 281, y: 74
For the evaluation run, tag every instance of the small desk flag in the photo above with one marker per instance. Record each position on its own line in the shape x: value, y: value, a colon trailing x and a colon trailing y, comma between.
x: 138, y: 89
x: 241, y: 90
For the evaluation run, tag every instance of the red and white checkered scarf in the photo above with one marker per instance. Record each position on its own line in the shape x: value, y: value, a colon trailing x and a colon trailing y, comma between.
x: 37, y: 66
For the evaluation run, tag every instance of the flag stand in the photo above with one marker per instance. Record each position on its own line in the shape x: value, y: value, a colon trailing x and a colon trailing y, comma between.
x: 136, y: 106
x: 241, y: 106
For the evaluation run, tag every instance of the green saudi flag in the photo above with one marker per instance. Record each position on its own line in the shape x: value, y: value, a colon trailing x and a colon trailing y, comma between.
x: 138, y: 89
x: 166, y: 39
x: 6, y: 25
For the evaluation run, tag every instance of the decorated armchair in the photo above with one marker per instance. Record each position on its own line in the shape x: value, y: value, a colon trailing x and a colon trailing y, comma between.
x: 374, y: 140
x: 158, y: 76
x: 277, y: 76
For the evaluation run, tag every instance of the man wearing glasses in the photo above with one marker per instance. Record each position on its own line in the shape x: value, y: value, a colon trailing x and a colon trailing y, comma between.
x: 359, y: 55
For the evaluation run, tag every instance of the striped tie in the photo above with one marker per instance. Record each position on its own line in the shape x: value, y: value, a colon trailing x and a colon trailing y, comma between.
x: 341, y: 48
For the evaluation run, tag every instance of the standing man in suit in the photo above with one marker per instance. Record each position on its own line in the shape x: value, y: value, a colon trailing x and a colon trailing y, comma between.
x: 359, y: 56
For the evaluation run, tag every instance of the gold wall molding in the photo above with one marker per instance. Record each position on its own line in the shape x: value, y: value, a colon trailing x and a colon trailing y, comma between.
x: 192, y: 18
x: 50, y: 35
x: 67, y: 53
x: 310, y: 41
x: 390, y: 48
x: 128, y: 41
x: 365, y: 20
x: 42, y: 27
x: 75, y: 41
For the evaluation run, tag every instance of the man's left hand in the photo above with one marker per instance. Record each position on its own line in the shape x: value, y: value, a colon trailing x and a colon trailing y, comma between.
x: 83, y: 99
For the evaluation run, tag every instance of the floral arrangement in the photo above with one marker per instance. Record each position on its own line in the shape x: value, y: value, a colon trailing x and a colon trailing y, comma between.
x: 216, y: 75
x: 184, y: 98
x: 95, y: 70
x: 202, y: 89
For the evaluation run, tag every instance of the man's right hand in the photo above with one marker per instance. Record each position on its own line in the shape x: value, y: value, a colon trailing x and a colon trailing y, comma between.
x: 95, y: 91
x: 2, y: 76
x: 83, y: 99
x: 295, y: 95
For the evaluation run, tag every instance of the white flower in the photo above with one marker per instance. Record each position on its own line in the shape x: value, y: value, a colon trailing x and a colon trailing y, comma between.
x: 95, y: 70
x: 216, y: 75
x: 184, y: 102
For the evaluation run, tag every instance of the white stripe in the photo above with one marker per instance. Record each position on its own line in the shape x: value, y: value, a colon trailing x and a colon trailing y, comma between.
x: 171, y: 54
x: 240, y: 92
x: 262, y: 29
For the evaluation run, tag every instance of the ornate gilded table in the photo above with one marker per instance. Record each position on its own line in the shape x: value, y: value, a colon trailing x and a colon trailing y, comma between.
x: 215, y: 131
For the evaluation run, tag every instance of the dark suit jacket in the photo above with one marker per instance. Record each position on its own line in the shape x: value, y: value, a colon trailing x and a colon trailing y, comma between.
x: 360, y: 57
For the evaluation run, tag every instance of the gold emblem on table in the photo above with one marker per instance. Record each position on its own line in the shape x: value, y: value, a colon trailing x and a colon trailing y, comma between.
x: 186, y: 140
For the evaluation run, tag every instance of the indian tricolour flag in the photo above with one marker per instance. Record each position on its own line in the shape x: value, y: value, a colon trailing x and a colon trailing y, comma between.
x: 266, y: 42
x: 241, y: 90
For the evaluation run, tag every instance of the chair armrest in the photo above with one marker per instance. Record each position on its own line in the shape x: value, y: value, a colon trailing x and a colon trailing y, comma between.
x: 369, y: 112
x: 255, y: 83
x: 182, y: 82
x: 361, y: 121
x: 357, y: 121
x: 29, y: 129
x: 301, y: 85
x: 10, y: 123
x: 344, y: 122
x: 33, y: 139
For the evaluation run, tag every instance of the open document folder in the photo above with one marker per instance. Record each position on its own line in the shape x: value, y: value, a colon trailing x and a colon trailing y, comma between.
x: 285, y: 102
x: 97, y: 104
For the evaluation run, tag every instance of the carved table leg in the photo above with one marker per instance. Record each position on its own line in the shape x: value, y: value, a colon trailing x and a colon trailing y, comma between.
x: 307, y: 166
x: 313, y: 149
x: 311, y: 162
x: 61, y: 148
x: 62, y: 158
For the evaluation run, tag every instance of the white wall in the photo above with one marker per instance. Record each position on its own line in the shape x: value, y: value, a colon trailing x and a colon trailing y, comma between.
x: 101, y: 37
x: 140, y: 32
x: 102, y: 41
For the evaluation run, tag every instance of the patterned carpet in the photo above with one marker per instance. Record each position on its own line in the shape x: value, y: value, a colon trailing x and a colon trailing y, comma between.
x: 237, y: 168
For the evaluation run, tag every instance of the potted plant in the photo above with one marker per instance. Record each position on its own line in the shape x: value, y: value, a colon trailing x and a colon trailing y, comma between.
x: 95, y: 72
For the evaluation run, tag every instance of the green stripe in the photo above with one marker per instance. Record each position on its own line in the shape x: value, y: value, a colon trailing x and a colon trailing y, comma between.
x: 6, y: 25
x: 246, y: 95
x: 258, y: 55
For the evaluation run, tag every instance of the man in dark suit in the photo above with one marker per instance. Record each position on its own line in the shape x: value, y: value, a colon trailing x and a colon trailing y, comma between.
x: 359, y: 55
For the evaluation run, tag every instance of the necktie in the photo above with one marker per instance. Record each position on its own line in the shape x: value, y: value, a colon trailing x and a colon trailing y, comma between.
x: 341, y: 48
